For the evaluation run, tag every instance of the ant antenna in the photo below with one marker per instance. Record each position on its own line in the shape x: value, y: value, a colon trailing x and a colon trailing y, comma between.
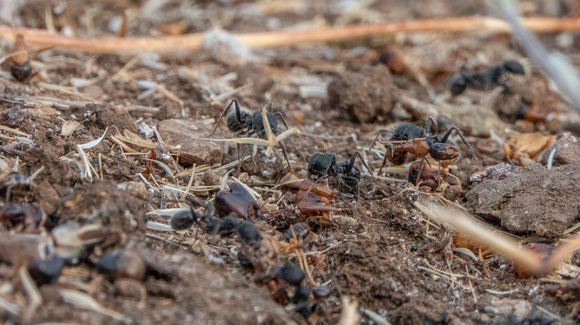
x: 428, y: 125
x: 446, y: 136
x: 352, y: 159
x: 381, y: 131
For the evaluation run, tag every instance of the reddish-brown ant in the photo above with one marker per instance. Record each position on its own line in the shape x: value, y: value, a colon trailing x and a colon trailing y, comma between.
x: 431, y: 174
x: 409, y: 138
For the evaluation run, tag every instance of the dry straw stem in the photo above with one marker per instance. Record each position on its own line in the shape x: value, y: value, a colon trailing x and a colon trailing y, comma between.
x: 192, y: 42
x: 470, y: 228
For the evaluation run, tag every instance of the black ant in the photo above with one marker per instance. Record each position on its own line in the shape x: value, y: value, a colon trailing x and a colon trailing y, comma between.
x: 244, y: 123
x: 484, y: 80
x: 324, y: 164
x: 409, y: 138
x: 247, y: 232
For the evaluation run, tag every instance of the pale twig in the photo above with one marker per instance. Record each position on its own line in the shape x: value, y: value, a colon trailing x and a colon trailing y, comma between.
x: 192, y: 42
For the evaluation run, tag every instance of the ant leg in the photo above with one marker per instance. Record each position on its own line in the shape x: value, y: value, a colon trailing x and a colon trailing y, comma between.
x: 446, y: 136
x: 421, y: 166
x: 363, y: 161
x: 439, y: 175
x: 285, y: 155
x: 280, y: 116
x: 383, y: 165
x: 235, y: 102
x: 269, y: 108
x: 381, y: 131
x: 239, y: 159
x: 428, y: 125
x: 282, y: 119
x: 506, y: 88
x: 8, y: 190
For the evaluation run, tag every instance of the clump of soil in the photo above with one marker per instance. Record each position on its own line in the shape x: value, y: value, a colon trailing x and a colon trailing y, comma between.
x: 365, y: 95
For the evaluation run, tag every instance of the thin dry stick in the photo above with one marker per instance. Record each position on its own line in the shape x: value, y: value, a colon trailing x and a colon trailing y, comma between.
x: 191, y: 42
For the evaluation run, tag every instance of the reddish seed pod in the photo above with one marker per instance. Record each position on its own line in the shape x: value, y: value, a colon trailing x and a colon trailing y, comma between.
x: 237, y: 201
x: 119, y: 264
x: 46, y: 271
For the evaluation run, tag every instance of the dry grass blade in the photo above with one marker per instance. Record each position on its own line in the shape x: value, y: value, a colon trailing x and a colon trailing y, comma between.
x: 272, y: 139
x: 158, y: 226
x: 31, y: 289
x: 523, y: 258
x: 349, y: 314
x: 464, y: 223
x: 69, y: 127
x: 83, y: 300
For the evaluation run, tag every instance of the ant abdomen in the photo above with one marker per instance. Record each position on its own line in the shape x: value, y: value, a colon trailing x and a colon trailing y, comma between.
x: 397, y: 157
x: 21, y: 72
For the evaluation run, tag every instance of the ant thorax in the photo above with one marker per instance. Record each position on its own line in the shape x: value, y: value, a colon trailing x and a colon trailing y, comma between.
x: 258, y: 123
x: 407, y: 131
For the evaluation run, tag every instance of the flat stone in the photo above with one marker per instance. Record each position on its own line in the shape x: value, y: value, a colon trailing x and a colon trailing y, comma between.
x: 189, y: 135
x: 534, y: 200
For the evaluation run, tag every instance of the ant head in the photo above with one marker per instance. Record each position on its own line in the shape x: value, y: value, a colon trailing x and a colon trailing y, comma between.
x: 458, y: 84
x: 514, y: 67
x: 237, y: 125
x: 443, y: 151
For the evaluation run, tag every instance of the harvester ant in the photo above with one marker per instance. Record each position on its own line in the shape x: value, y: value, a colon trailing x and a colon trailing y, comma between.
x: 244, y: 123
x: 409, y: 138
x: 225, y: 227
x: 484, y: 80
x: 324, y: 164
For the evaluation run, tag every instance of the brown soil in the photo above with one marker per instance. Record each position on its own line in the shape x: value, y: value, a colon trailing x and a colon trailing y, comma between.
x: 379, y: 248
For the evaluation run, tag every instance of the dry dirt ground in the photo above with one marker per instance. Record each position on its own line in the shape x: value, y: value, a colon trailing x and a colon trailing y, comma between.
x: 154, y: 113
